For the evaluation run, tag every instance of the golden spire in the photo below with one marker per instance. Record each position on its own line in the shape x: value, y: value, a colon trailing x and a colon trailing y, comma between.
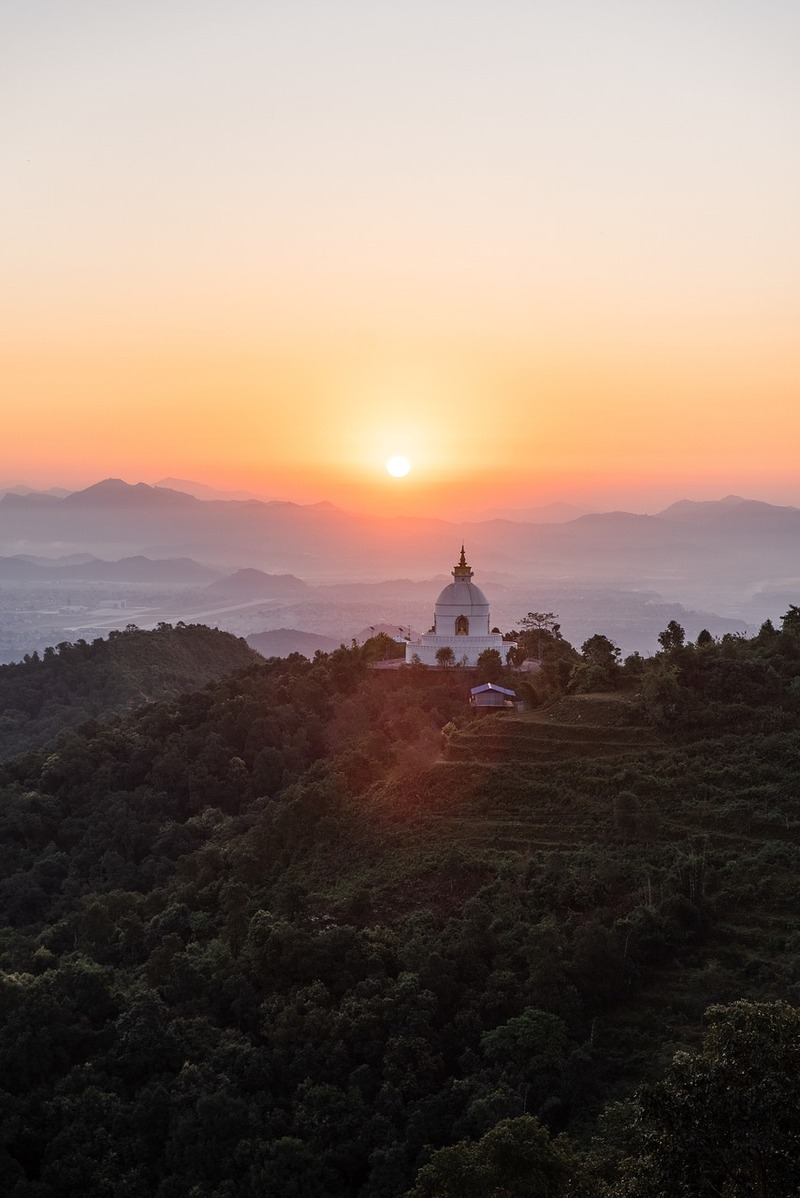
x: 462, y: 572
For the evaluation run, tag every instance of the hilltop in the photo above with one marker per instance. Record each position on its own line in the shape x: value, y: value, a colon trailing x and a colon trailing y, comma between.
x: 302, y: 929
x: 40, y: 697
x: 248, y: 584
x: 281, y: 642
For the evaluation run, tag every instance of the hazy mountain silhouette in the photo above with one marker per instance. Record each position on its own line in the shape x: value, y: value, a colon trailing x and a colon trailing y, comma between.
x: 143, y: 569
x: 202, y: 491
x: 698, y: 552
x: 280, y: 642
x: 22, y: 489
x: 27, y: 499
x: 549, y: 513
x: 249, y: 583
x: 13, y: 569
x: 66, y: 559
x: 181, y: 571
x: 691, y: 508
x: 115, y: 491
x: 733, y: 513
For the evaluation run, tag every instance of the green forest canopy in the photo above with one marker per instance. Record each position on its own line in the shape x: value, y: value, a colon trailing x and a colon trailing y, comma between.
x: 260, y: 939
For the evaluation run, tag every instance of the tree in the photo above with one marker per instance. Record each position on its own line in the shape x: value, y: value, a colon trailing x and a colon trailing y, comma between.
x: 791, y: 620
x: 530, y: 1052
x: 663, y: 697
x: 381, y: 647
x: 516, y: 1159
x: 600, y: 651
x: 445, y: 656
x: 672, y: 638
x: 536, y: 623
x: 725, y: 1120
x: 490, y: 665
x: 634, y: 665
x: 600, y: 667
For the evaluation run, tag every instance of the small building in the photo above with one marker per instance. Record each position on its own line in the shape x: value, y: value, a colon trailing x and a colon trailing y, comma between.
x: 492, y: 695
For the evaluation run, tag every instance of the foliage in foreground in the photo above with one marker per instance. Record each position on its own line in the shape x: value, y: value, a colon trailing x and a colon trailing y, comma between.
x: 724, y: 1119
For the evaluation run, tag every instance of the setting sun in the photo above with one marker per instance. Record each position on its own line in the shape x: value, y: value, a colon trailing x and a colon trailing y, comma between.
x: 398, y: 466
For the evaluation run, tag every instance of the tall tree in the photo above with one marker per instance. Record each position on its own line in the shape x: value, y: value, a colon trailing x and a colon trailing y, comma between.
x: 672, y: 638
x: 537, y: 623
x: 600, y: 667
x: 791, y: 620
x: 725, y: 1120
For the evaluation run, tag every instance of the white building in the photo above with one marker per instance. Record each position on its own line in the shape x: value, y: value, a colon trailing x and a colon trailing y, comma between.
x: 460, y: 622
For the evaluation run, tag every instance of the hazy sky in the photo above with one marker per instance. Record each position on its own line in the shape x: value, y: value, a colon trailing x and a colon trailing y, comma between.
x: 546, y: 250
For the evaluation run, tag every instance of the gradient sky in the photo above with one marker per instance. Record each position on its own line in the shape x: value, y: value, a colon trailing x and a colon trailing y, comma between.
x: 547, y: 250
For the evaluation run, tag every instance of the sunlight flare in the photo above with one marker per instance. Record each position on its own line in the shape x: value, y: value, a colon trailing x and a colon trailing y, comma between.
x: 398, y: 466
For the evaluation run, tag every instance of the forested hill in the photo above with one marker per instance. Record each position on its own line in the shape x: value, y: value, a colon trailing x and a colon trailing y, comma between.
x: 40, y: 697
x: 263, y: 939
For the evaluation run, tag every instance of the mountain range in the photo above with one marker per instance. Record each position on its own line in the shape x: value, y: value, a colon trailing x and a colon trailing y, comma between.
x: 714, y: 553
x: 180, y: 571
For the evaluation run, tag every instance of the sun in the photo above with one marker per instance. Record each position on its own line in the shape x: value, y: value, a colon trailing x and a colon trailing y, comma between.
x: 398, y: 466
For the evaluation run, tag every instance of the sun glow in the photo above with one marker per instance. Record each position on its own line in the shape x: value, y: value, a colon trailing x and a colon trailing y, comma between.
x: 398, y: 466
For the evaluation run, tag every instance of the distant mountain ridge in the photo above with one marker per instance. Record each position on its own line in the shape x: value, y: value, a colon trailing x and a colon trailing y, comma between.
x: 549, y: 513
x: 250, y: 583
x: 114, y: 490
x: 732, y: 508
x: 690, y: 551
x: 686, y: 508
x: 21, y: 489
x: 26, y: 499
x: 128, y: 569
x: 282, y: 642
x: 202, y: 491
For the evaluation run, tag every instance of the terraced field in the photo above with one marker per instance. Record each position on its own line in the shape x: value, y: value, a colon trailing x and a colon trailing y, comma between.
x: 606, y: 820
x: 505, y: 737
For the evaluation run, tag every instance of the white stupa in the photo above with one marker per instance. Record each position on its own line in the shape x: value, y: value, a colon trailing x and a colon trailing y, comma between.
x: 460, y: 622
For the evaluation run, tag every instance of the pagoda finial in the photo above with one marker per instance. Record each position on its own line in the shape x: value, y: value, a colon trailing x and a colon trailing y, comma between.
x: 462, y: 572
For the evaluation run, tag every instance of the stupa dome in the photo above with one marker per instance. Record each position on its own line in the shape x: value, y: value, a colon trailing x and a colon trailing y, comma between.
x: 462, y: 609
x: 463, y: 595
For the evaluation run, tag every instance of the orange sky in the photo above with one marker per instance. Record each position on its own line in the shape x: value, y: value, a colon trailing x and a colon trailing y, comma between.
x: 545, y: 252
